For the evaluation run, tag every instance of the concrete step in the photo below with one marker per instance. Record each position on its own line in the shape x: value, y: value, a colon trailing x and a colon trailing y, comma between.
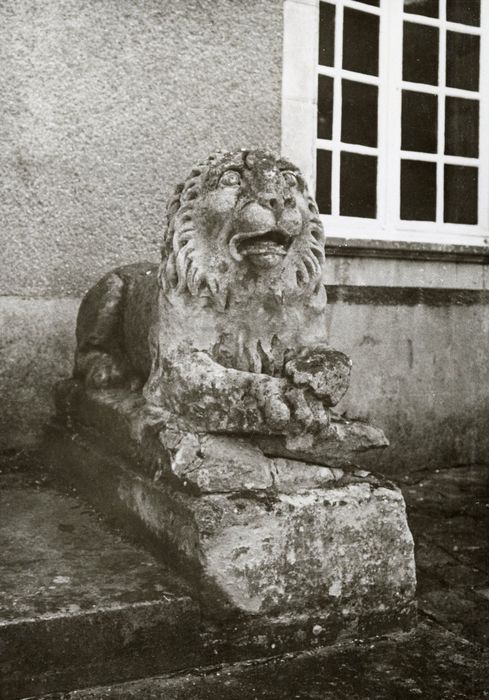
x: 426, y: 663
x: 82, y: 605
x: 79, y: 604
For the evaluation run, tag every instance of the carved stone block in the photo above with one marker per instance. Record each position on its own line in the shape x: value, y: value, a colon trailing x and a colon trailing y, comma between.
x: 229, y: 333
x: 201, y: 407
x: 261, y: 534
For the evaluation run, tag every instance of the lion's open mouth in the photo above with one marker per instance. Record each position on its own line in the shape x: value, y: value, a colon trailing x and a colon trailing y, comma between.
x: 274, y: 241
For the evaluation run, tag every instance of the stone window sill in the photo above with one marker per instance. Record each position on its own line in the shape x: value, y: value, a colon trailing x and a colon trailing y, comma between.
x: 402, y: 250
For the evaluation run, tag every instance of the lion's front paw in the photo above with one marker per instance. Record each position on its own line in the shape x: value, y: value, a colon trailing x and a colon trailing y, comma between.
x: 308, y: 413
x: 274, y: 408
x: 324, y: 371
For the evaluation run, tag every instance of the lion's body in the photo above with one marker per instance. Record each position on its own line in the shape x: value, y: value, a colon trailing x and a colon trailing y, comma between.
x: 117, y: 314
x: 238, y: 295
x: 114, y: 320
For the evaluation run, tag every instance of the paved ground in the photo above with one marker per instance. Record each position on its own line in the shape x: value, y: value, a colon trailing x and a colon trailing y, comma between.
x: 446, y: 657
x: 79, y: 603
x: 448, y: 514
x: 429, y: 663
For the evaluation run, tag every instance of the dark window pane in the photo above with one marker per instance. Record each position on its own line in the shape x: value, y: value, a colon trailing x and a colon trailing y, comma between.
x: 418, y: 191
x: 325, y: 107
x: 461, y: 127
x: 323, y: 181
x: 361, y: 42
x: 463, y: 61
x: 419, y: 121
x: 359, y: 113
x: 428, y: 8
x: 326, y: 34
x: 461, y: 183
x: 358, y: 185
x: 375, y: 3
x: 420, y: 54
x: 464, y: 11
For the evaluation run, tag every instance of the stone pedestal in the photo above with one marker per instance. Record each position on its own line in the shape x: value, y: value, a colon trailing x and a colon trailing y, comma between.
x: 261, y: 535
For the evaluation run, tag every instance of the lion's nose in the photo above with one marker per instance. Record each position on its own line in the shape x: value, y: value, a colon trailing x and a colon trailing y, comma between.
x: 272, y: 201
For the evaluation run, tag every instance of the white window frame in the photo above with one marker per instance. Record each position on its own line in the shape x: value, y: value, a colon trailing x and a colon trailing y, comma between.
x: 299, y: 120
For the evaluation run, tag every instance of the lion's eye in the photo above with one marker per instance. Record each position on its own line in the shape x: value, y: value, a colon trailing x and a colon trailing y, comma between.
x: 289, y: 178
x: 230, y: 178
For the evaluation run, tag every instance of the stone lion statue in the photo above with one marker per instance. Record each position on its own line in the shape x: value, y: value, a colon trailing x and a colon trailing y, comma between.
x: 228, y: 333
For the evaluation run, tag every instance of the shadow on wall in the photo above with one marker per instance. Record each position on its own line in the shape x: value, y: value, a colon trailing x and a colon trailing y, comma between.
x: 36, y: 349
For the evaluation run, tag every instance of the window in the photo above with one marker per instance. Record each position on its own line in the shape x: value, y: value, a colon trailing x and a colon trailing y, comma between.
x: 383, y: 101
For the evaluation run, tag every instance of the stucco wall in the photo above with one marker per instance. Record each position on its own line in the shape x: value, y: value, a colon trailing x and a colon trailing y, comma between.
x: 104, y: 106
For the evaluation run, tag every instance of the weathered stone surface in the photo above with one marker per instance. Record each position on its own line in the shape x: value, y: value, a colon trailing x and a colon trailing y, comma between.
x: 344, y: 548
x: 341, y: 445
x: 270, y: 535
x: 326, y: 372
x: 228, y: 335
x: 201, y: 373
x: 160, y: 444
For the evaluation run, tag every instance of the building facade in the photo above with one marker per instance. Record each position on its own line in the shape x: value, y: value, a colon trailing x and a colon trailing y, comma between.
x: 107, y: 105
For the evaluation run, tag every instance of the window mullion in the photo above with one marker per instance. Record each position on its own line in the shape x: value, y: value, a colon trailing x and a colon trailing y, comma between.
x: 483, y: 203
x: 383, y: 118
x: 434, y: 90
x: 434, y: 22
x: 348, y: 74
x: 337, y: 104
x: 392, y: 142
x: 442, y: 62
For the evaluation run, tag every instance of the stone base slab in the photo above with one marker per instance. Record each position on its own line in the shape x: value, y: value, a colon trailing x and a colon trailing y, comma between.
x: 158, y: 446
x: 260, y: 536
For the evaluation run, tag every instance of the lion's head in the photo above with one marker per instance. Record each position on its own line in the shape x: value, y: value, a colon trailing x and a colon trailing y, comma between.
x: 239, y: 218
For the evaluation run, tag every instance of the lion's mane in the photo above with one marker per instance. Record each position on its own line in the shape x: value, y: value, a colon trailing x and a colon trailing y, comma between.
x: 185, y: 260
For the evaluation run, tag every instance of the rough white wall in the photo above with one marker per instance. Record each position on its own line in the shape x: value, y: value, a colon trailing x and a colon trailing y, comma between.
x: 104, y: 106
